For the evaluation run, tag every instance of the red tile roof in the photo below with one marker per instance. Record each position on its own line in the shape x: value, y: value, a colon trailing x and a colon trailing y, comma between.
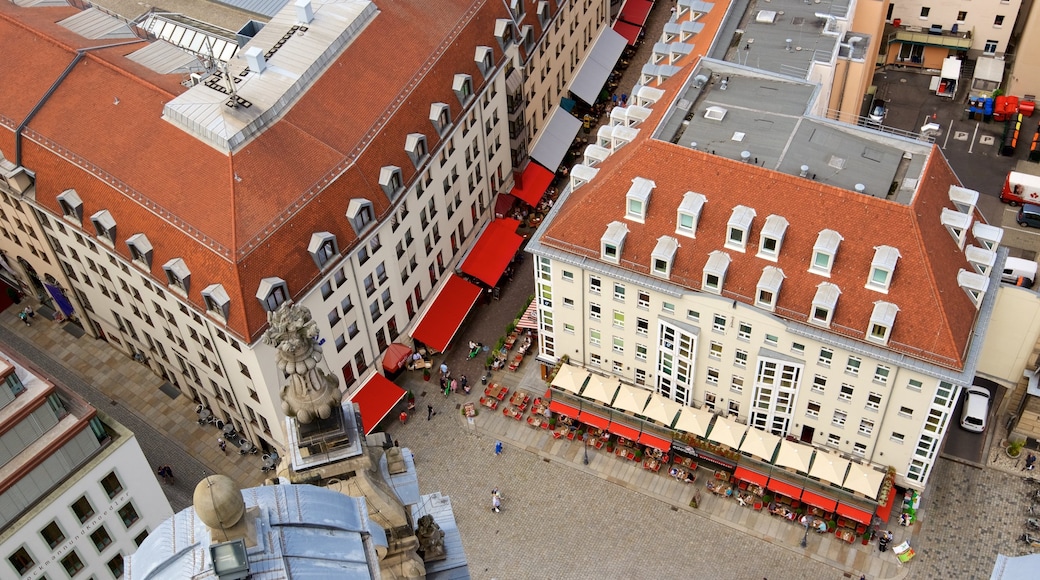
x: 935, y: 318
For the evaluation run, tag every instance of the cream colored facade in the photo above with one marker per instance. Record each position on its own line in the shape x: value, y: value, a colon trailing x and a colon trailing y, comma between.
x: 990, y: 22
x: 1024, y: 77
x: 854, y: 76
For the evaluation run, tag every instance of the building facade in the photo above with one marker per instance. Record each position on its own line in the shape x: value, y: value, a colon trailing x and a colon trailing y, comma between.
x: 77, y: 493
x: 927, y: 32
x: 354, y: 207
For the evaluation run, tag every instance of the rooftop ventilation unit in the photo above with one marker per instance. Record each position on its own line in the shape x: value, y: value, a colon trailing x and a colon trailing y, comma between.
x: 766, y: 17
x: 715, y: 113
x: 745, y: 156
x: 699, y: 81
x: 803, y: 171
x: 860, y: 188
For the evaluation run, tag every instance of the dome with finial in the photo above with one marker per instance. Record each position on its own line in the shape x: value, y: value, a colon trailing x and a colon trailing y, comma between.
x: 218, y: 502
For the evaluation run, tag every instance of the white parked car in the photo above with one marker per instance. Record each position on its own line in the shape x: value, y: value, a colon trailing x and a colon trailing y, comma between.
x: 976, y: 409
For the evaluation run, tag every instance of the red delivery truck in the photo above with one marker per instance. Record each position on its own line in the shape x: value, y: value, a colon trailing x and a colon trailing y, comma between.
x: 1021, y: 188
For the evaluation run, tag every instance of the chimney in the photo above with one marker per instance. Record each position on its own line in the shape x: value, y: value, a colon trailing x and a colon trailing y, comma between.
x: 304, y: 11
x: 255, y: 59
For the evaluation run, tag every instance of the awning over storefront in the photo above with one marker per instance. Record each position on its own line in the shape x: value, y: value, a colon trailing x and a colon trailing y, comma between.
x: 727, y: 432
x: 597, y: 66
x: 532, y: 183
x: 561, y: 409
x: 396, y: 357
x: 376, y: 398
x: 662, y: 409
x: 529, y: 319
x: 570, y: 378
x: 824, y: 503
x: 855, y: 514
x: 794, y: 456
x: 594, y: 420
x: 636, y: 11
x: 493, y: 251
x: 624, y: 431
x: 693, y: 421
x: 864, y: 479
x: 503, y: 204
x: 599, y: 389
x: 655, y: 441
x: 759, y: 444
x: 444, y: 317
x: 750, y: 476
x: 784, y: 488
x: 631, y: 399
x: 628, y: 30
x: 829, y: 467
x: 555, y: 138
x: 884, y: 510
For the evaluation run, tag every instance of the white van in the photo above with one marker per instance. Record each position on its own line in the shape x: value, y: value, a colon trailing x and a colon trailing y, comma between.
x: 976, y: 409
x: 1019, y: 272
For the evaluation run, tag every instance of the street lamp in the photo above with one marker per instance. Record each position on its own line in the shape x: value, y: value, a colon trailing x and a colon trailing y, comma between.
x: 585, y: 438
x: 805, y: 537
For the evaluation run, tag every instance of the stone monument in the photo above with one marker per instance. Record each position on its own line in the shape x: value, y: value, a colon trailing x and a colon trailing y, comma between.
x: 310, y: 391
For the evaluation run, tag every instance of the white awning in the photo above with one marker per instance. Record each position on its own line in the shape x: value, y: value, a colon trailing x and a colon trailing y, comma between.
x: 555, y: 139
x: 597, y: 66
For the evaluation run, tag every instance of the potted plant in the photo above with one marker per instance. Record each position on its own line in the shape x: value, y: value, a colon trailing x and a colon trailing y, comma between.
x: 866, y: 537
x: 767, y: 499
x: 831, y: 524
x: 1014, y: 449
x: 426, y: 374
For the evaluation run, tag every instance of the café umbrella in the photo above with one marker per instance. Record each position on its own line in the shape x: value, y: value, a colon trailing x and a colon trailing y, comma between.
x: 570, y: 378
x: 599, y: 389
x: 662, y: 409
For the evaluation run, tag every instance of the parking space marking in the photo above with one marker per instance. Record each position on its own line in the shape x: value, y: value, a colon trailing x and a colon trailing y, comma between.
x: 987, y: 140
x: 960, y: 135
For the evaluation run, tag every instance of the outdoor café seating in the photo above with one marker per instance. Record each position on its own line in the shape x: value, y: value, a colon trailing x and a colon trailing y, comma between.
x: 512, y: 412
x: 489, y: 403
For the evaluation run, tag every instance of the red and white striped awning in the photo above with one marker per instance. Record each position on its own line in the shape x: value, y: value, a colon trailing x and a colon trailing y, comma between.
x: 529, y: 319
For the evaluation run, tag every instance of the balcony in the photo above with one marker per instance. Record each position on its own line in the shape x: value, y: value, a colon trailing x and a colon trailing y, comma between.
x: 934, y: 36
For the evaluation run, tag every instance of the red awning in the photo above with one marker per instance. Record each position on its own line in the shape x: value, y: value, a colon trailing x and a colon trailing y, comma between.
x: 628, y: 30
x: 396, y: 356
x: 623, y: 431
x: 885, y: 511
x: 594, y: 420
x: 655, y: 442
x: 375, y: 398
x: 750, y: 476
x: 824, y: 503
x: 561, y: 409
x: 784, y: 488
x: 493, y: 251
x: 856, y: 514
x: 503, y: 204
x: 444, y: 317
x: 636, y: 11
x: 532, y: 183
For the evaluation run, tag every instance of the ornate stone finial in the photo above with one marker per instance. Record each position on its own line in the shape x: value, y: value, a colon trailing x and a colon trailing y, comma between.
x: 310, y: 390
x: 431, y: 539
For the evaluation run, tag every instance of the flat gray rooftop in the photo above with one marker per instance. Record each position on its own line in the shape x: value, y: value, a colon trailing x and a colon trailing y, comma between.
x: 769, y: 25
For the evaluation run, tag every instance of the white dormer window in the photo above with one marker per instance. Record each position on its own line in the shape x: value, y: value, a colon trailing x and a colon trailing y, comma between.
x: 987, y: 236
x: 663, y: 256
x: 882, y: 267
x: 415, y: 146
x: 738, y: 230
x: 390, y: 181
x: 824, y: 251
x: 440, y: 116
x: 981, y: 260
x: 323, y: 248
x: 715, y: 272
x: 769, y: 287
x: 582, y: 174
x: 823, y: 304
x: 964, y: 199
x: 140, y: 250
x: 613, y: 241
x: 689, y: 214
x: 485, y: 59
x: 527, y: 34
x: 543, y: 14
x: 516, y: 8
x: 504, y: 33
x: 360, y: 214
x: 104, y: 226
x: 637, y: 199
x: 217, y: 300
x: 881, y: 321
x: 272, y: 293
x: 957, y: 224
x: 771, y: 237
x: 974, y: 285
x: 463, y: 87
x: 71, y: 205
x: 178, y: 276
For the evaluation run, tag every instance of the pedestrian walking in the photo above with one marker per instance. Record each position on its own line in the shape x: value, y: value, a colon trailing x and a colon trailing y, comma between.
x: 444, y: 368
x: 429, y: 412
x: 222, y: 444
x: 1030, y: 462
x: 24, y: 318
x: 29, y: 311
x: 498, y: 448
x: 454, y: 386
x: 496, y: 501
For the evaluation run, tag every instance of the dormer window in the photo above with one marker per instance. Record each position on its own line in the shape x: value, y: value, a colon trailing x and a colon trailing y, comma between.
x: 637, y: 198
x: 663, y: 256
x: 974, y: 285
x: 824, y: 251
x: 882, y: 267
x: 415, y: 146
x: 543, y: 14
x: 987, y: 236
x: 957, y: 224
x: 504, y: 33
x: 769, y: 287
x: 964, y: 199
x: 440, y: 116
x: 881, y: 321
x: 140, y: 250
x: 104, y: 226
x: 715, y: 272
x: 771, y: 237
x: 981, y: 260
x: 463, y: 87
x: 689, y: 214
x: 323, y: 248
x: 485, y: 59
x: 823, y: 304
x: 527, y: 33
x: 613, y: 241
x: 391, y: 182
x: 217, y: 300
x: 360, y: 214
x: 178, y: 276
x: 739, y: 228
x: 516, y: 8
x: 272, y: 293
x: 71, y: 205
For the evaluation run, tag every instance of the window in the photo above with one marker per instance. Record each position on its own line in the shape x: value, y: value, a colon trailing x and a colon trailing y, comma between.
x: 52, y: 534
x: 824, y: 303
x: 896, y: 437
x: 568, y: 302
x: 798, y: 349
x: 873, y: 401
x: 112, y: 485
x: 718, y: 323
x: 22, y: 561
x: 72, y: 563
x: 715, y: 350
x: 709, y: 401
x: 612, y: 242
x: 741, y: 358
x: 140, y: 250
x: 914, y: 385
x: 852, y: 366
x: 619, y: 345
x: 772, y: 339
x: 859, y: 449
x: 881, y: 374
x: 925, y: 11
x: 689, y: 213
x: 619, y: 319
x: 882, y: 318
x: 177, y: 275
x: 594, y: 337
x: 663, y: 255
x: 771, y: 237
x: 128, y: 515
x: 693, y: 315
x: 736, y: 384
x: 744, y: 331
x: 415, y: 146
x: 833, y: 440
x: 846, y: 392
x: 826, y: 355
x: 595, y: 360
x: 595, y: 312
x: 819, y: 384
x: 595, y: 284
x: 882, y: 267
x: 637, y: 198
x: 668, y: 308
x: 813, y: 409
x: 641, y: 376
x: 906, y: 412
x: 568, y: 276
x: 739, y: 228
x: 322, y: 248
x: 998, y: 21
x: 734, y: 407
x: 643, y: 300
x: 824, y: 251
x: 568, y: 328
x: 642, y: 326
x: 115, y: 566
x: 962, y: 16
x: 71, y: 205
x: 715, y: 271
x: 617, y: 367
x: 641, y: 352
x: 83, y: 510
x: 866, y: 427
x: 360, y: 214
x: 101, y: 539
x: 272, y: 293
x: 839, y: 418
x: 990, y: 47
x: 713, y: 376
x: 768, y: 287
x: 485, y: 60
x: 619, y: 292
